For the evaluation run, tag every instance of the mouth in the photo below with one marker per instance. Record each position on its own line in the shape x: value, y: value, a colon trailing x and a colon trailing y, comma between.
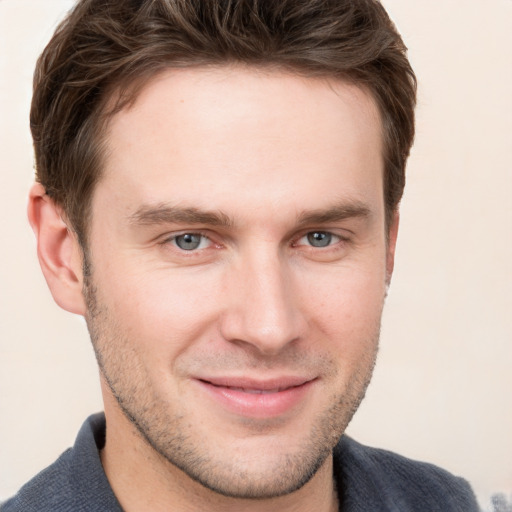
x: 258, y: 398
x: 256, y: 391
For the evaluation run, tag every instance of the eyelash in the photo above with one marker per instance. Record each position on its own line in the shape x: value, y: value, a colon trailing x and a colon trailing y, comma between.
x: 332, y: 237
x: 172, y: 240
x: 334, y: 241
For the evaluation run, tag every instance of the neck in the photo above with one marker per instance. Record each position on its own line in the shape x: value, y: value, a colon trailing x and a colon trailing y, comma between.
x: 143, y: 480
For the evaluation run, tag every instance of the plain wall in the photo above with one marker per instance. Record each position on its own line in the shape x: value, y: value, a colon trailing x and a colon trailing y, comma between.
x: 443, y: 383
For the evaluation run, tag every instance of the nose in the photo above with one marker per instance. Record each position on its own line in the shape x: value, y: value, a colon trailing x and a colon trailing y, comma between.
x: 263, y: 307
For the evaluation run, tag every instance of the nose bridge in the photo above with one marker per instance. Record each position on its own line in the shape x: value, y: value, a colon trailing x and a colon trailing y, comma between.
x: 263, y: 309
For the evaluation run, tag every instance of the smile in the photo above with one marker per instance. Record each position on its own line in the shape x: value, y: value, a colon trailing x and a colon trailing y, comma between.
x: 258, y: 391
x: 263, y: 399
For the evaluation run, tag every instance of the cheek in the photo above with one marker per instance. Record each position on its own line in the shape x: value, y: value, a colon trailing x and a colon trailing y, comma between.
x: 347, y: 305
x: 167, y: 310
x: 163, y: 307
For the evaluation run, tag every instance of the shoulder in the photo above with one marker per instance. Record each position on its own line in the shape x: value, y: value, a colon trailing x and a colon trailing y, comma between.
x: 75, y: 482
x: 391, y: 482
x: 49, y: 490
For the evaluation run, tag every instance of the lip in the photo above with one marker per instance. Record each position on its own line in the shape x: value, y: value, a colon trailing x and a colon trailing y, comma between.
x: 255, y: 398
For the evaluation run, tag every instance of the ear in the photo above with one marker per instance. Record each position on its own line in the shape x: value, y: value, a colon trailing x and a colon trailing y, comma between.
x: 390, y: 253
x: 58, y: 250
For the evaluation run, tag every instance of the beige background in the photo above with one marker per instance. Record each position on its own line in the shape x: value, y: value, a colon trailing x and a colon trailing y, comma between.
x: 442, y: 389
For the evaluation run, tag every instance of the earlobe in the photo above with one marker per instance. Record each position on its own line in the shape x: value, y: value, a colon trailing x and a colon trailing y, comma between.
x: 58, y: 251
x: 392, y: 236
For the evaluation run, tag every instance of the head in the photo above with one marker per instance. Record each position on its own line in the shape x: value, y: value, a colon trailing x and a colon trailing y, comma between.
x: 222, y: 182
x: 104, y: 52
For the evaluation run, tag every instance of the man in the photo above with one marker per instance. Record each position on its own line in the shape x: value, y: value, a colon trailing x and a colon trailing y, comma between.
x: 217, y: 194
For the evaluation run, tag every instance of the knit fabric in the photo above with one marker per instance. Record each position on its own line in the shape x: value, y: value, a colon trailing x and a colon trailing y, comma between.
x: 367, y: 479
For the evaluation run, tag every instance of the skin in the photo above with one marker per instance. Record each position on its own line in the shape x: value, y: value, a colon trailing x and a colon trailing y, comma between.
x: 251, y: 163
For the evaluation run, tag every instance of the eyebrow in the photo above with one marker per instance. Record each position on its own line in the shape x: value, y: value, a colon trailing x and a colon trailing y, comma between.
x: 163, y: 213
x: 338, y: 212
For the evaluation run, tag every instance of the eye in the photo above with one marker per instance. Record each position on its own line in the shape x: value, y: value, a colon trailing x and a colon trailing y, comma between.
x: 191, y: 241
x: 319, y: 239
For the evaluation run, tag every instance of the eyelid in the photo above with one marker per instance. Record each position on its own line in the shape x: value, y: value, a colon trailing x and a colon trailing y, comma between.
x: 203, y: 241
x: 171, y: 237
x: 339, y: 237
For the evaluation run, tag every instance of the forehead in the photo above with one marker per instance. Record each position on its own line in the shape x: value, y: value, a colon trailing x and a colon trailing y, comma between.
x: 232, y: 134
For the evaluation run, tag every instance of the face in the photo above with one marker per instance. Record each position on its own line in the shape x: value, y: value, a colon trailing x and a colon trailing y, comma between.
x: 238, y: 271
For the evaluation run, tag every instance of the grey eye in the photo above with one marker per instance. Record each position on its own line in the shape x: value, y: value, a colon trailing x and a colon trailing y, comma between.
x: 188, y: 241
x: 319, y: 238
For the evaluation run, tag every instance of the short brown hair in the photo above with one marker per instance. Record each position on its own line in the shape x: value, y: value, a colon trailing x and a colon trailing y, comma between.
x: 104, y: 46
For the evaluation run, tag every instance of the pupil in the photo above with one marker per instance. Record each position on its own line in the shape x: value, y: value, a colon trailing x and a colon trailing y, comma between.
x: 319, y: 239
x: 188, y: 241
